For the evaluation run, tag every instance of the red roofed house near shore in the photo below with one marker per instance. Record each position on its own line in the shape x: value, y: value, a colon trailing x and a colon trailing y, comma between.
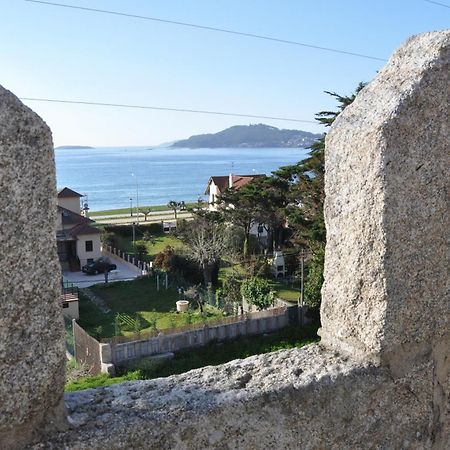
x: 218, y: 184
x: 77, y: 240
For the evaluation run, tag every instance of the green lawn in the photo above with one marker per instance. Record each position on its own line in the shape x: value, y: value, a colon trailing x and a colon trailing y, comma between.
x: 160, y: 242
x: 111, y: 212
x: 138, y: 300
x: 211, y: 354
x: 285, y: 291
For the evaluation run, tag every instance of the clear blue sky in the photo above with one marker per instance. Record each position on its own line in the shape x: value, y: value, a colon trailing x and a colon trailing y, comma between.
x: 60, y: 53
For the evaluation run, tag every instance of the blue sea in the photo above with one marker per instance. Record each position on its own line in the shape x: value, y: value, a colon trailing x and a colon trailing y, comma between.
x: 111, y: 176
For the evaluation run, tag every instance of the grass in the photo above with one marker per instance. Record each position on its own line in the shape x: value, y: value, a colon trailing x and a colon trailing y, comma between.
x: 138, y: 299
x: 283, y: 290
x: 154, y: 208
x: 99, y: 380
x: 211, y: 354
x: 159, y: 243
x: 286, y: 291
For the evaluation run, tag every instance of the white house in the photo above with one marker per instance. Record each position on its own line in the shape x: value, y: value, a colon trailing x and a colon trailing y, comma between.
x: 78, y: 241
x: 217, y: 185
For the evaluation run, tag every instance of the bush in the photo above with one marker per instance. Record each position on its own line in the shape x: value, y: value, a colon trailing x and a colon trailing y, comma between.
x: 258, y: 292
x: 178, y: 265
x: 314, y: 279
x: 126, y: 231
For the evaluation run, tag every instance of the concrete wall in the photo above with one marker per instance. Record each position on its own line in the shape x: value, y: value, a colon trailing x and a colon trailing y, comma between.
x: 202, y: 336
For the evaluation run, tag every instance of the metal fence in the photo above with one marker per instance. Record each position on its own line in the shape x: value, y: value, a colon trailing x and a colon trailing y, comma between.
x: 196, y: 326
x: 145, y: 267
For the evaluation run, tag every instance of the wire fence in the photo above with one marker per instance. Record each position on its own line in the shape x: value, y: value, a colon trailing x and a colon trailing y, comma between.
x: 138, y: 336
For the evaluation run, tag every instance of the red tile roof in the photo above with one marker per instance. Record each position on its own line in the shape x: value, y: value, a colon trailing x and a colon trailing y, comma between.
x: 67, y: 193
x: 222, y: 181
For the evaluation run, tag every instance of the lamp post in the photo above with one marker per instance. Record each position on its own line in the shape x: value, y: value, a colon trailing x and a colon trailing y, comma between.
x: 131, y: 207
x: 137, y: 196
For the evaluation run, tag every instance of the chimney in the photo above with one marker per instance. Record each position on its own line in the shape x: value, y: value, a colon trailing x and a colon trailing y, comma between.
x: 230, y: 180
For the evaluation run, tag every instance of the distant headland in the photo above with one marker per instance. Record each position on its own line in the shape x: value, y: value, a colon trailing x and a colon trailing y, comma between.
x: 72, y: 147
x: 251, y: 136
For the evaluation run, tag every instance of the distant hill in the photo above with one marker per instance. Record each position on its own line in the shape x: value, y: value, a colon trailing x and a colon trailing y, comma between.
x: 72, y: 147
x: 250, y: 136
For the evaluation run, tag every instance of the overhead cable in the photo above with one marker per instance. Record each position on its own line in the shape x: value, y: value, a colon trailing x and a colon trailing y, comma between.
x: 161, y: 108
x: 208, y: 28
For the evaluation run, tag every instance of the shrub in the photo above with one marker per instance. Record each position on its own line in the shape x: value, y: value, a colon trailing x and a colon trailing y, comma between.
x: 258, y: 292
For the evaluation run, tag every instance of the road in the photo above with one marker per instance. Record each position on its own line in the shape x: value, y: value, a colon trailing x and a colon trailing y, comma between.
x: 153, y: 217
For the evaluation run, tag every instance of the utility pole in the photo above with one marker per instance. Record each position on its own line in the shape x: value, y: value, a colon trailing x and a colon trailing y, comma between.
x: 137, y: 196
x: 131, y: 207
x: 301, y: 298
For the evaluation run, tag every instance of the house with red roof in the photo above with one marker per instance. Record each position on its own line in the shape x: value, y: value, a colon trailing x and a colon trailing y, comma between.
x: 217, y: 185
x: 78, y: 241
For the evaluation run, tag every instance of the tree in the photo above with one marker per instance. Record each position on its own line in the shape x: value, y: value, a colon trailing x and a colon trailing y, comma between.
x: 174, y: 206
x: 231, y: 289
x: 258, y: 292
x: 306, y: 192
x: 314, y: 280
x: 146, y: 212
x: 239, y: 208
x: 206, y: 242
x: 108, y: 238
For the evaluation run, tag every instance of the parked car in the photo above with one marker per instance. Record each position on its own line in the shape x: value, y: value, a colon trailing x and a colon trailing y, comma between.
x: 99, y: 265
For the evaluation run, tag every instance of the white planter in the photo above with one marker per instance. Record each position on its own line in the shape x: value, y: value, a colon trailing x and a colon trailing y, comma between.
x: 182, y: 305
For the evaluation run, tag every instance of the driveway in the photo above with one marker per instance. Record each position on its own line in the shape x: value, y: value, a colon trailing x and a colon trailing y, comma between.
x: 123, y: 272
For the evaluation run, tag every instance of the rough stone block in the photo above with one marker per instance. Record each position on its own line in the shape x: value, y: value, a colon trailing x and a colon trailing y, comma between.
x: 385, y: 295
x: 32, y: 368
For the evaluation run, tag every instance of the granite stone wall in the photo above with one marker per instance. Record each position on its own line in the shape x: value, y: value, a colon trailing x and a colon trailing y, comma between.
x: 31, y: 327
x: 380, y: 379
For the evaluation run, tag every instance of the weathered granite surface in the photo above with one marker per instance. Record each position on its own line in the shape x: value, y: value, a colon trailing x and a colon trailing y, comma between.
x: 306, y: 398
x: 386, y: 292
x: 31, y: 339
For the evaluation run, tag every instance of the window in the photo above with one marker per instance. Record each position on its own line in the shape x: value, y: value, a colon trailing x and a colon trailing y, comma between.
x: 90, y: 260
x: 89, y: 246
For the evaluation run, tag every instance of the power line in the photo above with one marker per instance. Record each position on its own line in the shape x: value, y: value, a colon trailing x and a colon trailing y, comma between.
x: 160, y: 108
x: 204, y: 27
x: 437, y: 3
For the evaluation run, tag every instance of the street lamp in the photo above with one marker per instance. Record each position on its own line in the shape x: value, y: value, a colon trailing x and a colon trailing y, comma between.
x: 131, y: 207
x: 137, y: 197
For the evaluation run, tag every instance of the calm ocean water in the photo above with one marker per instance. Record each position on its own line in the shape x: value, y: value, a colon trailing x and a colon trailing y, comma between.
x: 162, y: 174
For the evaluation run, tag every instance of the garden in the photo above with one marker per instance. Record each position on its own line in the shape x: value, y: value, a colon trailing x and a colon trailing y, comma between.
x: 137, y: 306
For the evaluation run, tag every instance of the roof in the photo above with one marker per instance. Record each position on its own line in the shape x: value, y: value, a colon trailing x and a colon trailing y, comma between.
x: 222, y: 181
x: 72, y: 218
x: 83, y: 228
x: 67, y: 193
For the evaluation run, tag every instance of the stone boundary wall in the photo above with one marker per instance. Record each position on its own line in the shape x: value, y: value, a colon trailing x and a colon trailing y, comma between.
x: 102, y: 357
x: 199, y: 337
x: 87, y: 349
